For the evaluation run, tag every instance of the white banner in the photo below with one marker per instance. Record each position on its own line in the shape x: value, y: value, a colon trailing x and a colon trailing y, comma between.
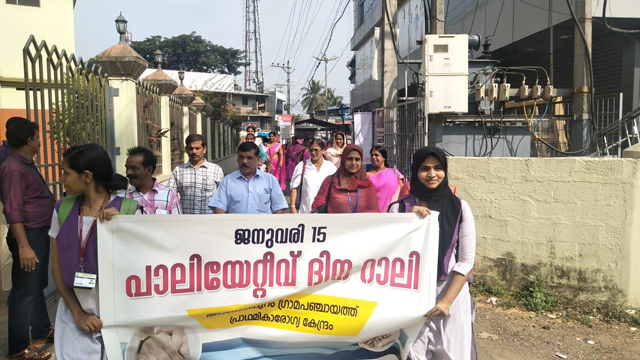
x: 363, y: 133
x: 328, y: 286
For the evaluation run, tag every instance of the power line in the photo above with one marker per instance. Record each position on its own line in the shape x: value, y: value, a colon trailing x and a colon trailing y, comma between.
x: 541, y: 8
x: 331, y: 35
x: 474, y: 16
x: 446, y: 12
x: 497, y: 21
x: 303, y: 39
x: 286, y: 29
x: 340, y: 57
x: 288, y: 32
x: 295, y: 33
x: 300, y: 29
x: 611, y: 27
x: 586, y: 44
x: 326, y: 27
x: 463, y: 2
x: 327, y: 44
x: 395, y: 43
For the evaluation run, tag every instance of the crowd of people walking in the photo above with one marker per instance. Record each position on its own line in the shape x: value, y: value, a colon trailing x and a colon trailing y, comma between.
x: 323, y: 178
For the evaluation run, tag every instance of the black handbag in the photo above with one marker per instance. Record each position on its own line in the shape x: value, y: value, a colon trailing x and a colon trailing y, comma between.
x: 325, y: 208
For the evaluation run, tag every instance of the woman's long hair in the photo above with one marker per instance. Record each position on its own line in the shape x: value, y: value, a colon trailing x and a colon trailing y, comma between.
x: 93, y: 158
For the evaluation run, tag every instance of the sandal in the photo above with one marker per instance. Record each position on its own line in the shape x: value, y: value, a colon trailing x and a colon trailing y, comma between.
x: 45, y: 340
x: 31, y: 353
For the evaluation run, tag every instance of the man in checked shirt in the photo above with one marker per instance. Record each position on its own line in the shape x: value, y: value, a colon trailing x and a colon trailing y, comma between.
x: 196, y: 180
x: 154, y: 197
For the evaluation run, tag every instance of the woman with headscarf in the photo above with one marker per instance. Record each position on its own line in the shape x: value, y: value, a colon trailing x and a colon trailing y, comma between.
x: 348, y: 190
x: 334, y: 152
x: 448, y: 329
x: 387, y: 181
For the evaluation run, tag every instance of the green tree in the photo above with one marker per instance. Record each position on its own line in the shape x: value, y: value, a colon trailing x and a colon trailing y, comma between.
x: 191, y: 52
x: 313, y: 97
x: 332, y: 99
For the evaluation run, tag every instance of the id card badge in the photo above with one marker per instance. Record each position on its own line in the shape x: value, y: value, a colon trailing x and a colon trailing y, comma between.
x: 84, y: 280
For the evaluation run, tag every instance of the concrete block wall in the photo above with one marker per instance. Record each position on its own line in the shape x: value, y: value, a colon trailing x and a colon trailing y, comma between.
x: 573, y: 222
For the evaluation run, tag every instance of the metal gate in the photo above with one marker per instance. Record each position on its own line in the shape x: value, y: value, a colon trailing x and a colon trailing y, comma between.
x: 176, y: 132
x: 149, y: 108
x: 69, y: 102
x: 405, y: 131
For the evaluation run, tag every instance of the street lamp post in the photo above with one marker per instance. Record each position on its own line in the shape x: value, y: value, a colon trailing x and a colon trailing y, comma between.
x: 121, y: 26
x: 158, y: 58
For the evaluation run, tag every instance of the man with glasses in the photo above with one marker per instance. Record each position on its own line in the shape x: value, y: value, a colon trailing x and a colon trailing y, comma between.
x: 310, y: 173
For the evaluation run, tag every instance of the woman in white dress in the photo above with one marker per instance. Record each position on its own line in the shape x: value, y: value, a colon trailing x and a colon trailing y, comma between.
x: 311, y: 173
x: 447, y: 333
x: 88, y: 177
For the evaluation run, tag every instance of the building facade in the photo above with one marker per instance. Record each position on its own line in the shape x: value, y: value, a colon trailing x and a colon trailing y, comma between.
x: 366, y: 65
x: 519, y: 33
x: 51, y: 21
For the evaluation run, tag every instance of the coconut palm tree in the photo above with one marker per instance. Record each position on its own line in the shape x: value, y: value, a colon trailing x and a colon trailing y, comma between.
x: 312, y: 97
x: 332, y: 99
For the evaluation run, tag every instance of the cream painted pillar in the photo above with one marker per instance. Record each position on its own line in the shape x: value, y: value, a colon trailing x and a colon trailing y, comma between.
x: 216, y: 138
x: 125, y: 119
x: 208, y: 135
x: 185, y: 127
x: 199, y: 124
x: 165, y: 123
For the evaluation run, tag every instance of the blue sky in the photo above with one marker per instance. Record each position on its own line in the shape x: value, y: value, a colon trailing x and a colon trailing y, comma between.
x: 221, y: 22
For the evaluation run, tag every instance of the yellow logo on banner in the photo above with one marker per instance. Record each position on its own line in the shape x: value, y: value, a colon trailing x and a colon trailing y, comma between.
x: 308, y: 313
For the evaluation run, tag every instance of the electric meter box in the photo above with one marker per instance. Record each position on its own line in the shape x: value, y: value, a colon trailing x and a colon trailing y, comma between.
x: 446, y: 54
x: 447, y: 94
x: 446, y: 73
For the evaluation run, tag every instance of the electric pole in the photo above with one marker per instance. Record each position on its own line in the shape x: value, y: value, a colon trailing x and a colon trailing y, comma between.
x: 437, y: 16
x: 326, y: 85
x: 288, y: 70
x: 582, y: 86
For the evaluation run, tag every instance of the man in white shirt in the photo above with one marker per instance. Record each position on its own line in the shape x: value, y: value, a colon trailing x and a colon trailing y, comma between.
x: 316, y: 169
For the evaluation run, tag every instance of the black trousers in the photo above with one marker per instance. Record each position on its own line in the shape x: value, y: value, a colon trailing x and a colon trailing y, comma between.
x: 27, y: 305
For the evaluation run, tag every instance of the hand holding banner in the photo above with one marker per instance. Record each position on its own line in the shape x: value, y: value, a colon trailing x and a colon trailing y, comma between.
x: 228, y: 287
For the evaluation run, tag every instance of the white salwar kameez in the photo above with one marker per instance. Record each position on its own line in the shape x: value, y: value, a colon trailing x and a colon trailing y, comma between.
x: 451, y: 337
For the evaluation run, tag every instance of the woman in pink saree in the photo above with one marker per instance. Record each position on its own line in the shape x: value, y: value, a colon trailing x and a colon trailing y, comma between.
x: 334, y: 153
x: 387, y: 181
x: 292, y: 156
x: 276, y: 160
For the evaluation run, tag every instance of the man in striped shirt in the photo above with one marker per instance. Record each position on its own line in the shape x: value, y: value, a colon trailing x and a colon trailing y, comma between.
x: 154, y: 197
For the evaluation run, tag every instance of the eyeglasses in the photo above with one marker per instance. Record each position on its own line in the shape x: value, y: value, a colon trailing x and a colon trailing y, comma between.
x: 314, y: 150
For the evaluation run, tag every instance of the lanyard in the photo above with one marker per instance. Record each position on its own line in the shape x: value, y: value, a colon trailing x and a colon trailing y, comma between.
x: 83, y: 244
x: 353, y: 211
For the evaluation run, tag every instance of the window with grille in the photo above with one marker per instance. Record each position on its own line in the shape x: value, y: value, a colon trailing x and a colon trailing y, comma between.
x: 34, y: 3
